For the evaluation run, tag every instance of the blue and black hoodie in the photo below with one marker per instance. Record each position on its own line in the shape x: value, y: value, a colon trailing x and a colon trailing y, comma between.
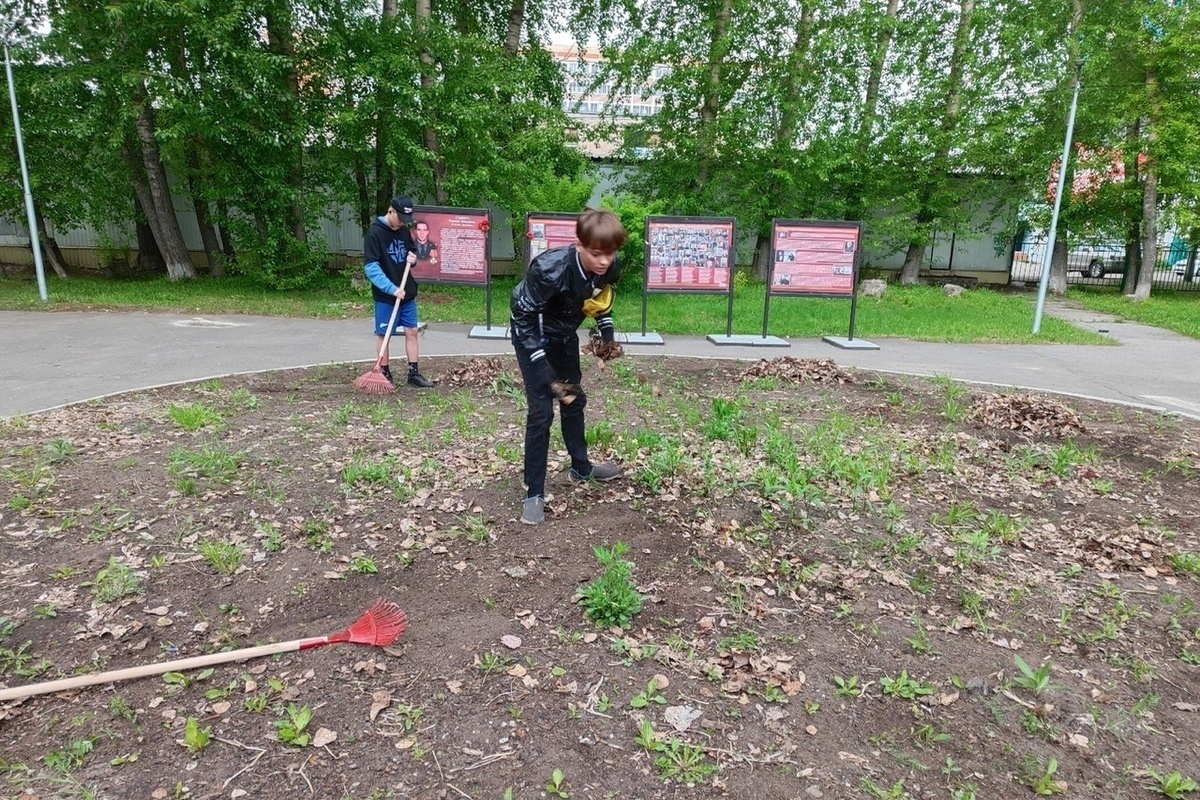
x: 384, y: 254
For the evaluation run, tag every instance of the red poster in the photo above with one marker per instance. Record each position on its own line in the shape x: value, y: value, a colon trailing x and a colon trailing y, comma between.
x: 688, y: 254
x: 451, y: 245
x: 814, y: 257
x: 547, y: 231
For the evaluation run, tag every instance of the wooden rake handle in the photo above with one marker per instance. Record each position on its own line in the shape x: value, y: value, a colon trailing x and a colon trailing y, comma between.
x: 178, y: 665
x: 392, y: 322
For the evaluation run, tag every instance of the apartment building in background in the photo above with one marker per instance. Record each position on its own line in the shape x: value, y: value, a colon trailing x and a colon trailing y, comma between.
x: 589, y: 101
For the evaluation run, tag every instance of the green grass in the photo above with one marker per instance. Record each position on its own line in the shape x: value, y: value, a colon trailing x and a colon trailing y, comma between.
x: 1175, y: 310
x: 918, y: 312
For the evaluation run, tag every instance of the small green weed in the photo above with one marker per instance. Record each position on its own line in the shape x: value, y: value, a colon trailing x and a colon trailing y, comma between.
x: 1185, y: 561
x: 612, y: 599
x: 651, y: 694
x: 847, y: 687
x: 215, y: 462
x: 292, y: 729
x: 114, y: 581
x: 363, y: 565
x: 195, y: 738
x: 222, y: 555
x: 72, y: 755
x: 1173, y: 785
x: 555, y: 786
x: 1037, y: 680
x: 1040, y: 777
x: 905, y: 687
x: 194, y: 416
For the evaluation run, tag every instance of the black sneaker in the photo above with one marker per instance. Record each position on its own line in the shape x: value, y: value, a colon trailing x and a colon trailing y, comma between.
x: 420, y: 381
x: 600, y: 472
x: 387, y: 373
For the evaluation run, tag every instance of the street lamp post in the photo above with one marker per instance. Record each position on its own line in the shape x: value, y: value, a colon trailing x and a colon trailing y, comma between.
x: 1058, y: 196
x: 34, y: 244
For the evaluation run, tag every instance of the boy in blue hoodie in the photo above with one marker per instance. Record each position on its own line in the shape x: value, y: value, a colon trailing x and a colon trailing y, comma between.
x: 387, y: 248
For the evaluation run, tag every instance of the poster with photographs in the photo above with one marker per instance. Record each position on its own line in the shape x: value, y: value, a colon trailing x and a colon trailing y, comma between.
x: 814, y: 258
x: 689, y: 254
x: 451, y: 244
x: 546, y: 231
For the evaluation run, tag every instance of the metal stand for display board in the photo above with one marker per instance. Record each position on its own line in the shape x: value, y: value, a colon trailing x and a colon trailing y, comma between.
x: 850, y: 343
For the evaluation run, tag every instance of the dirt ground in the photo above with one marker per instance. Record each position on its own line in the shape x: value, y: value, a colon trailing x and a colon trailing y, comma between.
x: 851, y: 585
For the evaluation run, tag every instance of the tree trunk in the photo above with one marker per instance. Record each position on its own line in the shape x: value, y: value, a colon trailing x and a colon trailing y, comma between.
x: 789, y: 123
x: 516, y: 19
x: 385, y: 176
x: 154, y: 193
x: 208, y: 235
x: 281, y: 40
x: 938, y: 167
x: 226, y: 241
x: 1058, y: 266
x: 149, y: 256
x: 429, y: 134
x: 913, y: 257
x: 365, y: 212
x: 49, y: 245
x: 711, y: 102
x: 855, y: 202
x: 1149, y: 175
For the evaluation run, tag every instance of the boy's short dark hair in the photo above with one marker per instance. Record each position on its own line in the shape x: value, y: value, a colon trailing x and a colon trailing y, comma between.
x: 601, y: 229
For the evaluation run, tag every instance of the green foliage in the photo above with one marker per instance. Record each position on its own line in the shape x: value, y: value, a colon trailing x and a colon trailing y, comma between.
x: 1174, y: 785
x: 555, y: 786
x: 224, y: 556
x: 194, y: 416
x: 195, y: 738
x: 292, y: 728
x: 1185, y: 561
x: 71, y: 756
x: 1040, y: 777
x: 1037, y: 680
x: 612, y: 599
x: 215, y: 462
x: 904, y: 687
x: 115, y: 581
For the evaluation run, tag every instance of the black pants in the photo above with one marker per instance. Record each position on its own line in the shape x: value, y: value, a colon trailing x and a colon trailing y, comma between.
x: 563, y: 358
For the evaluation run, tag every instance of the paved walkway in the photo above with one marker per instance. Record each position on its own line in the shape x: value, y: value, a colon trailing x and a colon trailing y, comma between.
x: 49, y: 359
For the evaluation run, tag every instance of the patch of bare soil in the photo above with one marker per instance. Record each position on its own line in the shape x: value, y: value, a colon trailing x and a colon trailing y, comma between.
x: 842, y: 573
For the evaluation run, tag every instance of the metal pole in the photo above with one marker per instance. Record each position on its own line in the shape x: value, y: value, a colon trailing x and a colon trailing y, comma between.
x: 34, y: 243
x: 1058, y: 196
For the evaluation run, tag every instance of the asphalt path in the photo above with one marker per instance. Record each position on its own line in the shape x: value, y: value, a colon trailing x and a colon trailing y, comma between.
x: 54, y: 358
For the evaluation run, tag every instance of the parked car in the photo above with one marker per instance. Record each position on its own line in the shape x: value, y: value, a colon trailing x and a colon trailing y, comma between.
x: 1097, y: 261
x: 1180, y: 267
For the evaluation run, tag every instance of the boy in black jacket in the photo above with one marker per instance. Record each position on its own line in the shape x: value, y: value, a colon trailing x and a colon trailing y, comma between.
x: 387, y: 248
x: 547, y: 309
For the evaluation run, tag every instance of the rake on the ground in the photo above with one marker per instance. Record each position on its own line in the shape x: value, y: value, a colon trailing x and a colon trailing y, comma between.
x: 374, y: 381
x: 379, y: 625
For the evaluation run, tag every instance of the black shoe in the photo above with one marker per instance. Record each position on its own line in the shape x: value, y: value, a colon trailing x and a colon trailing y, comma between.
x: 387, y: 373
x: 420, y: 381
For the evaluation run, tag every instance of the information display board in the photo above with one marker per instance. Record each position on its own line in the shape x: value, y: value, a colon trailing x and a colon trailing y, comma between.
x: 451, y: 244
x: 814, y: 258
x: 545, y: 231
x: 689, y: 254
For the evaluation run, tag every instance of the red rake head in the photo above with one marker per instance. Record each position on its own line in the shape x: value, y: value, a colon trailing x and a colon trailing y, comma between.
x: 374, y: 382
x: 380, y: 625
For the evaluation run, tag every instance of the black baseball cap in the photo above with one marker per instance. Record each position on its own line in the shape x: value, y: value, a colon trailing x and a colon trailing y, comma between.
x: 404, y: 208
